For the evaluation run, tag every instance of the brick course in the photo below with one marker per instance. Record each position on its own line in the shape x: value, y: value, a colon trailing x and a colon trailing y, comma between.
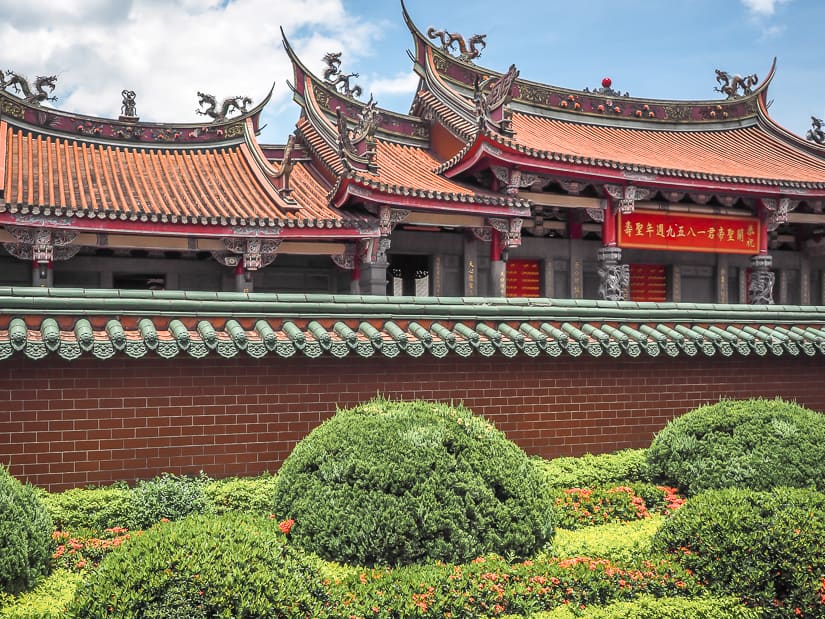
x: 66, y: 424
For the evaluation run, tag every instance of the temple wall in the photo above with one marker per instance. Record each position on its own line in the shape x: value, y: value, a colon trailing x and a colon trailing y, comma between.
x: 66, y: 424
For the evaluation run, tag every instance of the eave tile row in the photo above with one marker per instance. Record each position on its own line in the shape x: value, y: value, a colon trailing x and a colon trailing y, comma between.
x: 101, y: 338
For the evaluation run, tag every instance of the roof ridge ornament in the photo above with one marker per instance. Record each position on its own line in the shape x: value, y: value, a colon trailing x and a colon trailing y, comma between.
x: 492, y: 97
x: 467, y: 51
x: 285, y: 170
x: 341, y: 81
x: 815, y: 133
x: 128, y: 110
x: 730, y: 84
x: 358, y: 145
x: 32, y: 93
x: 607, y: 90
x: 230, y: 104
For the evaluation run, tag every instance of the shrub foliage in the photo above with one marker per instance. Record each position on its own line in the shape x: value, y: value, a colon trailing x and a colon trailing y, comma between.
x: 764, y: 546
x: 169, y: 497
x: 756, y: 444
x: 204, y: 566
x: 89, y: 508
x: 394, y: 483
x: 25, y: 535
x: 620, y: 467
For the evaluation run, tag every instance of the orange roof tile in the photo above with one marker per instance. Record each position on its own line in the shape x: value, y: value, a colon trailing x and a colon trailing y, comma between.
x: 158, y: 183
x: 410, y: 171
x: 742, y: 154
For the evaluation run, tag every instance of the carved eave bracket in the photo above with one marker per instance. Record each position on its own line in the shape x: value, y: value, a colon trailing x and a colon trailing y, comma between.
x: 514, y: 179
x: 348, y: 260
x: 41, y: 245
x: 492, y: 102
x: 510, y: 229
x: 778, y: 210
x: 389, y: 217
x: 253, y: 253
x: 625, y: 197
x: 357, y: 147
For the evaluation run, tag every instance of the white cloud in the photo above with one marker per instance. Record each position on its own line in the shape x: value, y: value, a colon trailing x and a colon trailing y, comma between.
x: 167, y: 50
x: 401, y: 84
x: 763, y: 8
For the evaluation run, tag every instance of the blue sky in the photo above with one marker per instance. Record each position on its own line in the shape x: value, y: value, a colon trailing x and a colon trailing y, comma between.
x: 167, y: 50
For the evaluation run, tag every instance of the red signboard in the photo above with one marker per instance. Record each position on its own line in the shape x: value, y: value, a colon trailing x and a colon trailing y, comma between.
x: 689, y: 232
x: 523, y: 278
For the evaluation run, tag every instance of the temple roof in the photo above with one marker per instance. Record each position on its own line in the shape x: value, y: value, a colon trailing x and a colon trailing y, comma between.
x: 606, y: 134
x: 61, y: 165
x: 402, y: 170
x: 37, y: 323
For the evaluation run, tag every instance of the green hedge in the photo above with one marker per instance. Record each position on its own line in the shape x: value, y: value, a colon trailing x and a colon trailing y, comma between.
x: 48, y: 600
x: 204, y: 567
x: 622, y: 542
x: 647, y: 607
x: 254, y: 495
x: 490, y: 587
x: 395, y: 483
x: 764, y: 546
x: 25, y: 535
x: 587, y: 471
x: 756, y: 444
x: 584, y: 507
x: 89, y: 508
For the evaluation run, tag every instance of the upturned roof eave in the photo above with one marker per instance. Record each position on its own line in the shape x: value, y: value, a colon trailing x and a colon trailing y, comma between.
x: 509, y: 153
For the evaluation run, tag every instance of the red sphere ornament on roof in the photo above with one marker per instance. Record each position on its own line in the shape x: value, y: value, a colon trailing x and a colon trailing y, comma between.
x: 606, y: 82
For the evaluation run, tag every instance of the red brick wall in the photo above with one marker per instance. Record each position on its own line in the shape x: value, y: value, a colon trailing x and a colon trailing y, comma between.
x: 65, y: 424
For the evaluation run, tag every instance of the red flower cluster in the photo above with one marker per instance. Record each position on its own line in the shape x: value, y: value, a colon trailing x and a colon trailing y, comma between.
x: 286, y: 526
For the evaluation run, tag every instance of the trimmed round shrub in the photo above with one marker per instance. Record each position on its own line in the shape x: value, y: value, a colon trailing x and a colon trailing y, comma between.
x: 765, y: 547
x: 169, y: 497
x: 89, y: 508
x: 25, y: 535
x: 394, y: 483
x: 204, y: 566
x: 756, y: 444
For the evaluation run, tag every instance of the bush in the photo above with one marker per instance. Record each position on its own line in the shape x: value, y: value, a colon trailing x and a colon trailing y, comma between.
x: 756, y: 444
x: 621, y: 542
x: 46, y: 601
x: 253, y: 495
x: 94, y: 508
x: 83, y: 548
x: 169, y: 497
x: 204, y: 566
x: 627, y: 465
x: 394, y: 483
x: 764, y: 546
x: 648, y: 607
x: 25, y: 535
x: 490, y: 587
x: 583, y: 507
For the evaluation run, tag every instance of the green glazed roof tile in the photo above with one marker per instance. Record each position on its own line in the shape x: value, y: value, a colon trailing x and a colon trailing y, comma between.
x: 140, y: 323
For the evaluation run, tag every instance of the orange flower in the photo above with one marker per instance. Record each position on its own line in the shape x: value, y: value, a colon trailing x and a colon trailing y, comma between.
x: 286, y: 526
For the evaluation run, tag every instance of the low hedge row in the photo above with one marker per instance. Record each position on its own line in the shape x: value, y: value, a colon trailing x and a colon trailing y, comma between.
x: 647, y: 607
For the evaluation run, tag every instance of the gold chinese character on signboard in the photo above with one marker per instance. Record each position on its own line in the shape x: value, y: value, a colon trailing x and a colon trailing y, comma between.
x: 628, y: 228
